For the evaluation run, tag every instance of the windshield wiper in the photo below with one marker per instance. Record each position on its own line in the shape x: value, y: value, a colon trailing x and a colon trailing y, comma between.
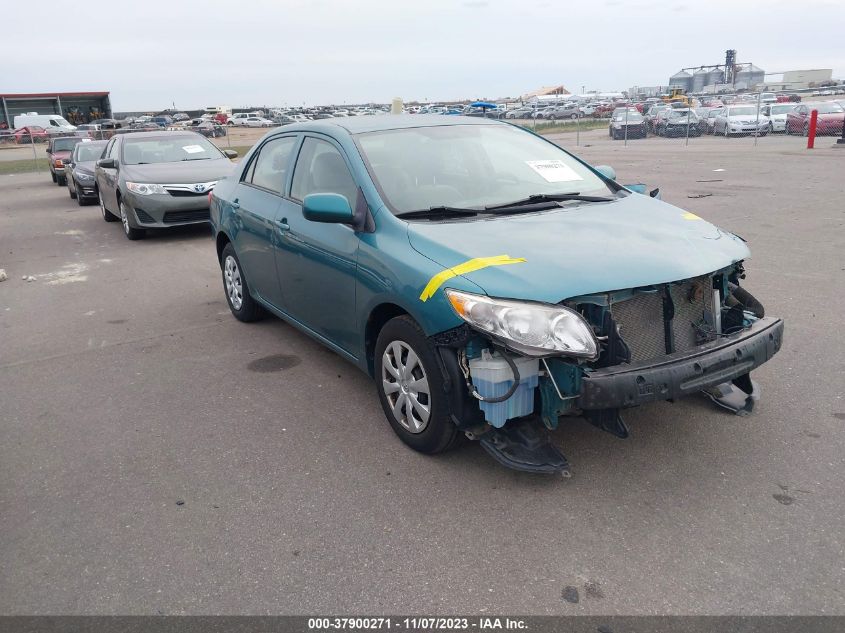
x: 549, y: 197
x: 438, y: 211
x: 203, y: 158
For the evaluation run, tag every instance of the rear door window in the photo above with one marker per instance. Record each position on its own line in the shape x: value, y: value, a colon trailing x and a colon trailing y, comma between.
x: 270, y: 168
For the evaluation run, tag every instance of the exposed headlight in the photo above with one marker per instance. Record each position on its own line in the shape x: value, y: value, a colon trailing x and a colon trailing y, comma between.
x: 534, y: 329
x: 84, y: 177
x: 145, y: 188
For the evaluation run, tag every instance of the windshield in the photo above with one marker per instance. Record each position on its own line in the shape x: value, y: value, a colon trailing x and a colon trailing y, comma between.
x: 168, y: 149
x: 88, y: 152
x: 683, y: 114
x: 469, y: 166
x: 825, y: 108
x: 631, y: 116
x: 61, y: 144
x: 743, y: 111
x: 782, y: 109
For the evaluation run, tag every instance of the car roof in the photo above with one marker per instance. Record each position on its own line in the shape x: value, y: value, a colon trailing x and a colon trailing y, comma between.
x: 377, y: 123
x: 163, y: 134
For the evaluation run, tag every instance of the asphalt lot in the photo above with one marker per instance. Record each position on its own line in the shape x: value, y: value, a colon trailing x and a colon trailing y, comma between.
x: 127, y: 388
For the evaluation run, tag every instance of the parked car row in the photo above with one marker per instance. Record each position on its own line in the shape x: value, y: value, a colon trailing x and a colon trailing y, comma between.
x: 146, y: 179
x: 743, y: 119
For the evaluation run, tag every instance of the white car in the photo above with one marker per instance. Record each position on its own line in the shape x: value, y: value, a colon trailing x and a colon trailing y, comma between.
x: 741, y: 119
x: 240, y: 118
x: 257, y: 121
x: 776, y: 114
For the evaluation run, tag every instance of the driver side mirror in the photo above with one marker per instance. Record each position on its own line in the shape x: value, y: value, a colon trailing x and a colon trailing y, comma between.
x: 230, y: 153
x: 607, y: 171
x: 331, y: 208
x: 107, y: 163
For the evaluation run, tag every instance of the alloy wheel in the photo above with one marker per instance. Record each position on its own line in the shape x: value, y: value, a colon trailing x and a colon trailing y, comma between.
x: 234, y: 283
x: 406, y: 386
x: 124, y: 219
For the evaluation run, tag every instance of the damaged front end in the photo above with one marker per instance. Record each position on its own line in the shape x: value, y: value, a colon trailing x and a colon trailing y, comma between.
x: 651, y: 343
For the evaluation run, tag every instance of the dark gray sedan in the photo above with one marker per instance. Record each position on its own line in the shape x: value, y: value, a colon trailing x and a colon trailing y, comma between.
x: 79, y: 170
x: 161, y: 179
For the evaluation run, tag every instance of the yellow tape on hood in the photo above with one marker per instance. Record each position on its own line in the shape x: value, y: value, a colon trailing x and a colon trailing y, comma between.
x: 467, y: 267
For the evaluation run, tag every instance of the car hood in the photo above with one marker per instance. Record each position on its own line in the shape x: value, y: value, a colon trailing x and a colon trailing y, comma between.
x: 583, y: 249
x: 831, y: 116
x: 61, y: 153
x: 86, y: 167
x: 747, y: 117
x: 184, y: 172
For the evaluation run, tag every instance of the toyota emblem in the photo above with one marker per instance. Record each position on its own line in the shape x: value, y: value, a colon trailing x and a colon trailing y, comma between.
x: 199, y: 188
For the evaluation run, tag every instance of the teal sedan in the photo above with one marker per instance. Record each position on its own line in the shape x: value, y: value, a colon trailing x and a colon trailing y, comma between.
x: 491, y: 283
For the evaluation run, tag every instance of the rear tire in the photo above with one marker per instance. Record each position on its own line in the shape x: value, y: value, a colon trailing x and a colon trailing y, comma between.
x: 243, y: 306
x: 411, y: 389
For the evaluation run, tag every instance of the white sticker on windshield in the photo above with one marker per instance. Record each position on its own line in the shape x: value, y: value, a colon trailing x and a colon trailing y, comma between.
x: 554, y: 170
x: 193, y: 149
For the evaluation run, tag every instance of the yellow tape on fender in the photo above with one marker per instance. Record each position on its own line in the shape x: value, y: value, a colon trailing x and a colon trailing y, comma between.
x: 467, y: 267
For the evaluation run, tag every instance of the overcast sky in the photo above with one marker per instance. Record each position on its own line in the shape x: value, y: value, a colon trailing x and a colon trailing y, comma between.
x: 152, y: 53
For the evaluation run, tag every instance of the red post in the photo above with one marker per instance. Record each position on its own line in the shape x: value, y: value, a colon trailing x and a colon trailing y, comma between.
x: 811, y: 133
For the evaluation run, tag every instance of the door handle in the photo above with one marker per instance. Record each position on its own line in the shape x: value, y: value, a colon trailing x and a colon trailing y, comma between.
x: 235, y: 204
x: 283, y: 225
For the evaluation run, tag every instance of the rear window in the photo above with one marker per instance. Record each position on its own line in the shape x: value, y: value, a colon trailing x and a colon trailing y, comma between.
x: 62, y: 144
x: 86, y: 152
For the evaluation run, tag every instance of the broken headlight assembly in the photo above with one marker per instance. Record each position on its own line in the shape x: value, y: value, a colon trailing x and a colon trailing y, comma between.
x: 533, y: 329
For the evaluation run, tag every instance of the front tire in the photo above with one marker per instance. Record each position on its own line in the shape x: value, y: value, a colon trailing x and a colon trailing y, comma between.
x: 243, y: 306
x: 411, y: 387
x: 72, y: 190
x: 108, y: 216
x: 129, y: 231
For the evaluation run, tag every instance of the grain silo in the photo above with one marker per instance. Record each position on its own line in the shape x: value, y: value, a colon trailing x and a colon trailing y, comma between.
x: 699, y: 78
x: 681, y: 79
x: 749, y: 76
x: 715, y: 77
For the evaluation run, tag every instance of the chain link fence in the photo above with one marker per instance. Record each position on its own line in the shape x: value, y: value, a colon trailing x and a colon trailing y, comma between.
x: 761, y: 116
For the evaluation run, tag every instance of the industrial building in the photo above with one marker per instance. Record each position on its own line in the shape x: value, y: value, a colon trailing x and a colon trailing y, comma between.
x: 728, y: 76
x: 76, y: 107
x: 802, y: 79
